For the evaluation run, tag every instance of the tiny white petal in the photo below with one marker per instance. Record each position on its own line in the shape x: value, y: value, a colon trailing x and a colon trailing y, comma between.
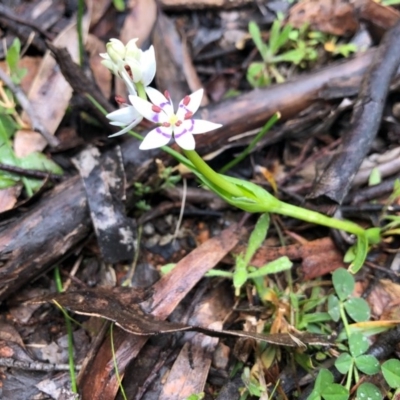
x: 192, y: 106
x: 160, y: 100
x: 131, y: 48
x: 146, y: 109
x: 124, y: 115
x: 157, y: 137
x: 128, y: 128
x: 201, y: 126
x: 186, y: 141
x: 148, y: 66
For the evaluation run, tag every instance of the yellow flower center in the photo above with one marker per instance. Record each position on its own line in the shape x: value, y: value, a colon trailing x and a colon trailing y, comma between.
x: 173, y: 119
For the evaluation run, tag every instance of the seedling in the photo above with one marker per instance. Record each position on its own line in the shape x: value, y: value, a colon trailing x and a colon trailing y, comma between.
x: 289, y: 45
x: 243, y: 271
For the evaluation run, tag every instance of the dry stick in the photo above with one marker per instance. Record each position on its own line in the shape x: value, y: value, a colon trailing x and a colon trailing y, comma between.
x: 336, y: 180
x: 30, y: 173
x: 34, y: 365
x: 19, y: 29
x: 26, y: 105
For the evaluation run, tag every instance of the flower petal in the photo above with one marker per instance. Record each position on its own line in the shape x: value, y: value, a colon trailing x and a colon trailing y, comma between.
x: 158, y: 99
x: 128, y: 128
x: 190, y: 104
x: 148, y: 66
x: 186, y: 141
x: 136, y: 69
x: 157, y: 137
x: 146, y: 109
x: 201, y: 126
x: 124, y: 115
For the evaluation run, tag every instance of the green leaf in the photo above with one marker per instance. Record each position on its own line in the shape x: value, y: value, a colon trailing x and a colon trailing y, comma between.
x: 335, y: 392
x: 361, y: 254
x: 391, y: 373
x: 167, y: 268
x: 324, y: 378
x: 343, y: 282
x: 12, y: 57
x: 334, y: 307
x: 358, y: 344
x: 9, y: 125
x: 350, y: 254
x: 39, y: 162
x: 240, y: 274
x: 316, y: 317
x: 274, y: 36
x: 257, y: 75
x: 257, y: 237
x: 293, y: 56
x: 279, y: 265
x: 283, y: 37
x: 343, y: 363
x: 255, y: 34
x: 325, y: 388
x: 374, y: 177
x: 358, y: 309
x: 7, y: 181
x: 119, y: 5
x: 367, y: 364
x: 368, y: 391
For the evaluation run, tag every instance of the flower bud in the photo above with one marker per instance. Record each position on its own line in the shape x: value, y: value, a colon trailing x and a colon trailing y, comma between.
x: 116, y: 50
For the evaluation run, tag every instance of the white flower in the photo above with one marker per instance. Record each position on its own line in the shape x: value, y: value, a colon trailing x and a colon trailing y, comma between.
x: 126, y: 116
x: 130, y: 63
x: 179, y: 125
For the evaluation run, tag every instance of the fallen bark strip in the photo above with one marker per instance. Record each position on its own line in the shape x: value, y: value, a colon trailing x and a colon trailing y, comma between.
x: 61, y: 219
x: 335, y: 182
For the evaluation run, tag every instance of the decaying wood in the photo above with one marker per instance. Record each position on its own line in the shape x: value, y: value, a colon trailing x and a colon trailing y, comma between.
x: 334, y: 183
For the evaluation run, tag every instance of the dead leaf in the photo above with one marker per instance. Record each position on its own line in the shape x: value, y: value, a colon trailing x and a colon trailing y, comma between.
x: 9, y: 197
x: 330, y: 16
x: 50, y: 93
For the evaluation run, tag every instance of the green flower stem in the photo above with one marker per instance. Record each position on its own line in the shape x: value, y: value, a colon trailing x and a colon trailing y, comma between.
x: 317, y: 218
x: 211, y: 175
x: 141, y: 91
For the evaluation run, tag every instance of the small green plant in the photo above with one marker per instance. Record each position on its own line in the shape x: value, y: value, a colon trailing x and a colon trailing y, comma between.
x: 289, y: 45
x: 243, y: 271
x: 353, y: 360
x: 275, y: 51
x: 253, y: 386
x: 10, y: 122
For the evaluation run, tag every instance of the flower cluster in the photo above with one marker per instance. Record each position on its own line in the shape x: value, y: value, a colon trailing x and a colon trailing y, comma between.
x: 130, y: 63
x: 137, y: 69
